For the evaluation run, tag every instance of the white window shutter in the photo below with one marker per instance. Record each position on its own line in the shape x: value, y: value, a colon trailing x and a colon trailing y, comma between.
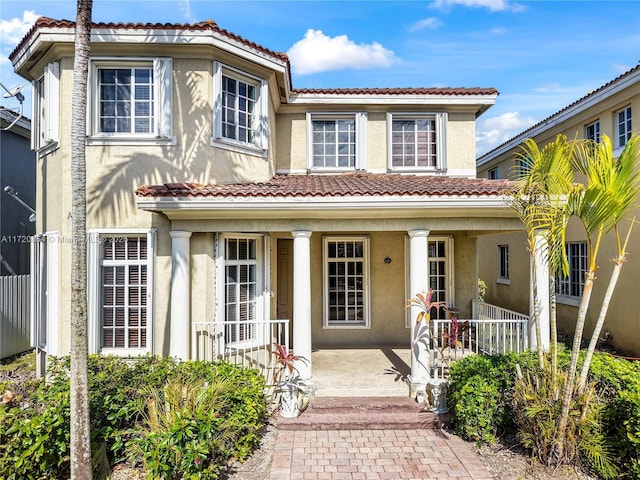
x: 162, y: 71
x: 52, y: 101
x: 441, y: 140
x: 263, y: 129
x: 361, y: 141
x: 217, y: 100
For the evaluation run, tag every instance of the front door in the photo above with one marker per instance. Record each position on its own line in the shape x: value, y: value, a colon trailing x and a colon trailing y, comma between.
x: 284, y: 308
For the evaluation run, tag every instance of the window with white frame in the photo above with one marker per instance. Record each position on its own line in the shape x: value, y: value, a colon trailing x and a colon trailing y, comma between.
x: 45, y: 107
x: 346, y: 282
x: 440, y: 273
x: 416, y: 142
x: 573, y: 284
x: 240, y: 110
x: 131, y: 99
x: 124, y: 288
x: 592, y: 131
x: 503, y: 253
x: 623, y: 126
x: 336, y: 141
x: 493, y: 173
x: 241, y: 288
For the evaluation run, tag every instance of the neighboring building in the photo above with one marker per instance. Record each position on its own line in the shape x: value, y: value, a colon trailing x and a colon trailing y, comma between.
x: 17, y: 170
x: 220, y: 195
x: 614, y: 110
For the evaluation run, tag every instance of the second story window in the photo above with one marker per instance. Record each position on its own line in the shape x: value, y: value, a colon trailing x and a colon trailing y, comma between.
x: 126, y: 100
x: 336, y: 141
x: 592, y: 131
x: 623, y: 127
x: 130, y: 101
x: 493, y: 173
x: 416, y: 141
x: 240, y: 111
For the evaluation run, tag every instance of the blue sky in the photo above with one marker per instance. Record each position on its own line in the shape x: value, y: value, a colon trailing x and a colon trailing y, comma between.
x: 540, y: 55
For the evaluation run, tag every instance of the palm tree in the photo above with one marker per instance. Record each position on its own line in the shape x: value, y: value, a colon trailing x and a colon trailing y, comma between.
x: 543, y: 180
x: 611, y: 191
x: 80, y: 436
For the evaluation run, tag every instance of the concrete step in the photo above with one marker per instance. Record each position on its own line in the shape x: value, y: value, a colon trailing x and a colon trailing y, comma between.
x: 364, y: 413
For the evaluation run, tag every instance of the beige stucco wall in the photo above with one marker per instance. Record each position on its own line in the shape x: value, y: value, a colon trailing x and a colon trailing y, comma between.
x: 115, y: 171
x: 622, y: 321
x: 292, y: 141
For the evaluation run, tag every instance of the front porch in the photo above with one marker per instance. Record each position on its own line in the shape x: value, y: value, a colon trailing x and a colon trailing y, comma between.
x: 356, y: 371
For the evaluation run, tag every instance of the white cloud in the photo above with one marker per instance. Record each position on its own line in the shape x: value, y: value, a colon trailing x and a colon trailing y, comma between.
x: 185, y: 6
x: 12, y: 31
x: 495, y: 131
x: 317, y: 52
x: 427, y: 23
x: 492, y: 5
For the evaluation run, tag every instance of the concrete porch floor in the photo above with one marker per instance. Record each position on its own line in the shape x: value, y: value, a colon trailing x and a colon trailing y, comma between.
x: 361, y: 372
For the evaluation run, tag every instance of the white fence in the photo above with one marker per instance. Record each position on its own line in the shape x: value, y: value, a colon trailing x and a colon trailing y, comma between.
x: 14, y: 315
x: 492, y: 330
x: 250, y: 344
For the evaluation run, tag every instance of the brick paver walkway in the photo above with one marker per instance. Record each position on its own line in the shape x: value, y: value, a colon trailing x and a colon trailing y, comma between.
x: 373, y: 455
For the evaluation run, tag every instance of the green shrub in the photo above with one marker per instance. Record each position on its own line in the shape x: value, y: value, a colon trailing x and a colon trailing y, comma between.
x: 34, y: 440
x: 537, y: 404
x: 619, y: 379
x: 478, y: 394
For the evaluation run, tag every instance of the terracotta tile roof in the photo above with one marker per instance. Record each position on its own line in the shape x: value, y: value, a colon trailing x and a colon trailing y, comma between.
x: 397, y: 91
x: 46, y: 22
x: 340, y: 185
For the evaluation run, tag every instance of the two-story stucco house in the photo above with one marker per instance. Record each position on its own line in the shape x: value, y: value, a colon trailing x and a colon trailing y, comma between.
x: 614, y: 110
x: 223, y: 203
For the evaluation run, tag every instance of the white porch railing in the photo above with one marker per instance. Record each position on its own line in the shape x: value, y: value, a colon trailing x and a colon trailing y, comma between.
x: 14, y: 315
x: 249, y: 344
x: 493, y: 330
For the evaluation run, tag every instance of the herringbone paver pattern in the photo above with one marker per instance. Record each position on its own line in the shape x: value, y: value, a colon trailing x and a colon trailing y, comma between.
x: 373, y: 455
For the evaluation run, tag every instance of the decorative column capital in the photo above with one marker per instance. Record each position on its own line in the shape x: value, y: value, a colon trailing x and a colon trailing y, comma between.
x: 301, y: 233
x: 419, y: 233
x: 180, y: 234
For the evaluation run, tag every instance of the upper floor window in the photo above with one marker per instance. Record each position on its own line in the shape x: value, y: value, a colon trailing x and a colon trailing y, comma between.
x: 592, y: 131
x: 45, y: 105
x: 416, y: 142
x: 126, y: 100
x: 240, y: 110
x: 623, y: 127
x: 493, y: 173
x: 131, y: 101
x: 336, y: 141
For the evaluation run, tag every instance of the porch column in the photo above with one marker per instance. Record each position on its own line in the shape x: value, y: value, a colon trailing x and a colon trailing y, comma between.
x: 541, y: 267
x: 302, y: 304
x: 418, y: 283
x: 179, y: 332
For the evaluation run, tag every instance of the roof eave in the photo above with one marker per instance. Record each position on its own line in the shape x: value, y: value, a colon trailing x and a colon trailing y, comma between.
x: 328, y: 207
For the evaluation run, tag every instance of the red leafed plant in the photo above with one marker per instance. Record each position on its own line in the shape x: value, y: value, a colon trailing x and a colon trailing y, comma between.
x: 286, y: 359
x: 423, y: 301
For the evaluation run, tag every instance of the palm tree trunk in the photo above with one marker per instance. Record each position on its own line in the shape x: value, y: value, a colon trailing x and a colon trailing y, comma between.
x: 80, y: 435
x: 598, y: 328
x: 567, y: 393
x: 536, y: 304
x: 553, y: 325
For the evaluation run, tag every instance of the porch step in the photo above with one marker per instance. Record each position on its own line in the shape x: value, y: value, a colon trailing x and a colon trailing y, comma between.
x: 364, y: 413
